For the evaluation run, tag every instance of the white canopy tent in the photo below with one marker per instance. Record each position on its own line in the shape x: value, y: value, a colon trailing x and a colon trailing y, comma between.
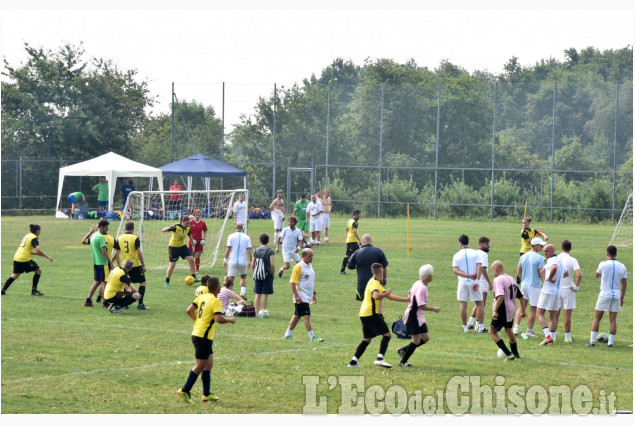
x: 111, y: 166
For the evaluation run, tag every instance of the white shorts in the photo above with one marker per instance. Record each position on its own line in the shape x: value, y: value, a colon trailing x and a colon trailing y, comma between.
x: 464, y: 292
x: 608, y: 304
x: 236, y: 269
x: 531, y: 294
x: 316, y: 226
x: 278, y: 219
x: 548, y: 302
x: 326, y: 220
x: 288, y: 256
x: 484, y: 287
x: 566, y: 299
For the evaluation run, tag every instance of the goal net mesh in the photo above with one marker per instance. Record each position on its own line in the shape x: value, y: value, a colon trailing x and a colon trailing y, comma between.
x: 151, y: 211
x: 623, y: 234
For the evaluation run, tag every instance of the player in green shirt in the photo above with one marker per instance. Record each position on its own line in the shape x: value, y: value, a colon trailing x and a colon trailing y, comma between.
x: 101, y: 189
x: 299, y: 211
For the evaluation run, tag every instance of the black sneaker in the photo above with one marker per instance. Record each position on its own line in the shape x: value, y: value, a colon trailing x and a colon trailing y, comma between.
x: 401, y: 352
x: 98, y: 298
x: 342, y: 272
x: 3, y: 293
x: 591, y: 344
x: 36, y: 293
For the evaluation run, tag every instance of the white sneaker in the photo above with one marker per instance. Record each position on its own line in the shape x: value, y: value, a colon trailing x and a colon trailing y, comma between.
x: 354, y: 365
x: 515, y: 331
x: 382, y: 363
x: 530, y: 333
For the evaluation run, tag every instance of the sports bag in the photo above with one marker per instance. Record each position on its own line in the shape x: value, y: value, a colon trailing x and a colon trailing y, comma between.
x: 399, y: 329
x: 234, y: 309
x: 248, y: 311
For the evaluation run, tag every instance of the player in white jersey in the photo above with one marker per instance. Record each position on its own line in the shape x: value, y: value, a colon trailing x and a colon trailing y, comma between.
x: 612, y: 291
x: 568, y: 288
x: 465, y: 264
x: 326, y: 213
x: 485, y: 284
x: 291, y: 238
x: 277, y: 214
x: 548, y: 301
x: 240, y: 211
x: 313, y: 214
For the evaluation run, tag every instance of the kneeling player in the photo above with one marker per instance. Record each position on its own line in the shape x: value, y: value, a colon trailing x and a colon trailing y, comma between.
x: 115, y: 294
x: 505, y: 292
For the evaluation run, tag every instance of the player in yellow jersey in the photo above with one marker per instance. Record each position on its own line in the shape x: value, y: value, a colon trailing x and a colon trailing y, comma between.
x: 370, y: 313
x: 177, y: 247
x: 351, y: 239
x: 205, y: 310
x: 129, y: 245
x: 120, y: 292
x: 202, y: 289
x: 22, y: 262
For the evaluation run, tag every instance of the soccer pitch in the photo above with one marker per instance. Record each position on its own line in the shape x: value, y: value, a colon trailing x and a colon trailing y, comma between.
x: 61, y: 357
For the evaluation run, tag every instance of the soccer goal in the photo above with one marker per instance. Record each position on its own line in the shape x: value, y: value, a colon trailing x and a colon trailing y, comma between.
x: 623, y: 234
x: 151, y: 211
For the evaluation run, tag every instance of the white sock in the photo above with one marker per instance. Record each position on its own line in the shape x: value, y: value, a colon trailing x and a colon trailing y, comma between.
x: 380, y: 356
x: 464, y: 328
x: 243, y: 290
x: 567, y: 336
x: 516, y: 327
x: 553, y: 335
x: 594, y: 335
x: 311, y: 334
x: 611, y: 339
x: 326, y: 239
x: 530, y: 330
x: 288, y: 333
x: 470, y: 320
x: 546, y: 332
x: 481, y: 327
x: 354, y: 359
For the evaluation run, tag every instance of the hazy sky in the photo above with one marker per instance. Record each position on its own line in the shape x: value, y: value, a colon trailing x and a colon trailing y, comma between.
x: 249, y: 46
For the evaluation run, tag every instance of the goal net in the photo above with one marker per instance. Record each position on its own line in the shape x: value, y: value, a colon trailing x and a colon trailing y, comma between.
x: 623, y: 234
x: 151, y: 211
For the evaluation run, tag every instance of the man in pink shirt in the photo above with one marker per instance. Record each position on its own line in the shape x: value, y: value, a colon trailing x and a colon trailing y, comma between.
x: 506, y: 292
x: 415, y: 316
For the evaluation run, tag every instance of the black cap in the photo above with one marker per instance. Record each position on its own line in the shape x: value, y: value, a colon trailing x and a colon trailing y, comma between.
x: 303, y: 195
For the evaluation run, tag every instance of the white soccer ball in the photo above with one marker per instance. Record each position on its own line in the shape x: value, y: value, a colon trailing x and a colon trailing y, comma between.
x: 263, y: 314
x: 603, y: 337
x: 500, y: 354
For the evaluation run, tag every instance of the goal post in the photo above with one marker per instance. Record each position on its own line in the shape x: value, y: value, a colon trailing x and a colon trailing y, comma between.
x: 151, y: 211
x: 623, y: 234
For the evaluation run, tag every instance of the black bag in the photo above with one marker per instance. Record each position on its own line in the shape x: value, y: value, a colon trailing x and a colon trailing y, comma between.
x: 248, y: 311
x: 399, y: 329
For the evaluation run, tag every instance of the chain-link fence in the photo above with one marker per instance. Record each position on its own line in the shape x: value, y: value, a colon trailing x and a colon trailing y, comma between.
x: 474, y: 149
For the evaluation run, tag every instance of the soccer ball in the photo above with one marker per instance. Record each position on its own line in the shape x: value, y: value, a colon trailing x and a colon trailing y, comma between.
x: 189, y: 280
x: 263, y: 314
x: 603, y: 337
x: 500, y: 354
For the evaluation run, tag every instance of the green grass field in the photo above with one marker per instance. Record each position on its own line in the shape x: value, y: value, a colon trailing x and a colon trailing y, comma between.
x: 61, y: 357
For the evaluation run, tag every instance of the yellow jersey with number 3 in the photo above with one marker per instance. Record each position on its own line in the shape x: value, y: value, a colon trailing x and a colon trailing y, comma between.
x: 28, y: 244
x: 128, y: 244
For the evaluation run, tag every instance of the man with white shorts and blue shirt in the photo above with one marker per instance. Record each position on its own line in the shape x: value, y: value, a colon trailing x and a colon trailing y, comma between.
x: 291, y: 238
x: 549, y: 300
x: 568, y: 288
x: 612, y: 291
x: 238, y: 256
x: 530, y: 271
x: 464, y: 264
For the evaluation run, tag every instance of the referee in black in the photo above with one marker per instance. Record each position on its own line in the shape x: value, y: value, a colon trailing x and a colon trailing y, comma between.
x: 362, y: 259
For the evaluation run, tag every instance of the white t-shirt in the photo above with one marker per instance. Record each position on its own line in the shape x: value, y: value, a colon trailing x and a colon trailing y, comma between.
x: 570, y: 265
x: 612, y: 272
x: 240, y: 211
x: 466, y: 260
x: 239, y: 244
x: 290, y: 239
x: 553, y: 287
x: 483, y: 259
x: 313, y: 208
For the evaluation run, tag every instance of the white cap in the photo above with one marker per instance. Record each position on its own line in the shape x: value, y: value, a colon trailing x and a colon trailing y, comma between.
x: 538, y: 241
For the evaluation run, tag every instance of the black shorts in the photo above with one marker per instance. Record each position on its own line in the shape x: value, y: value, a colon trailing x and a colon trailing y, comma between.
x: 20, y: 267
x: 121, y: 299
x: 302, y: 309
x: 176, y: 252
x: 202, y: 347
x: 137, y: 275
x: 264, y: 287
x: 351, y: 247
x: 373, y: 326
x: 413, y: 325
x: 498, y: 324
x: 99, y: 272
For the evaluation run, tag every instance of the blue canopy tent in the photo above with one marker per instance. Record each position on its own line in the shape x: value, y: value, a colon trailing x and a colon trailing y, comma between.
x: 203, y: 166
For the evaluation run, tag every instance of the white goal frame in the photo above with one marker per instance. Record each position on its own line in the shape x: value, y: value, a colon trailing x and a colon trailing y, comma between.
x: 623, y: 234
x: 154, y: 242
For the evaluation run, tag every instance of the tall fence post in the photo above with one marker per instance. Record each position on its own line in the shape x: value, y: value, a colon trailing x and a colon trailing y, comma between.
x: 328, y: 129
x: 222, y: 133
x: 275, y: 107
x: 617, y: 101
x: 20, y: 185
x: 553, y: 152
x: 172, y: 127
x: 436, y: 152
x: 491, y: 213
x: 381, y: 133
